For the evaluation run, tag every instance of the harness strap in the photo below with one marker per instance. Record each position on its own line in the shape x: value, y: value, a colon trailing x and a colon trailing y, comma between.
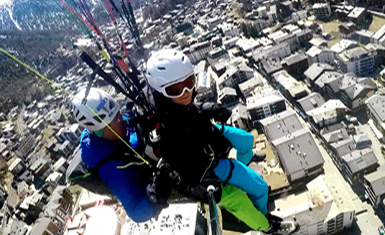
x: 230, y: 174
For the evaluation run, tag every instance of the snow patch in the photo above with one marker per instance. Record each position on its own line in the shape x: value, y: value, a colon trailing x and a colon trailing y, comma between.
x: 13, y: 20
x: 6, y: 2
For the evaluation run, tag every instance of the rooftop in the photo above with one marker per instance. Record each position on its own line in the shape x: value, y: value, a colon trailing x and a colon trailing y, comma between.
x: 343, y: 45
x: 251, y: 83
x: 312, y: 101
x: 343, y: 147
x: 316, y: 69
x: 281, y: 124
x: 264, y: 99
x: 298, y: 152
x: 377, y: 181
x: 360, y: 160
x: 295, y: 58
x: 323, y: 201
x: 379, y: 33
x: 356, y: 12
x: 376, y: 106
x: 328, y: 110
x: 336, y: 135
x: 272, y: 65
x: 331, y: 78
x: 355, y: 53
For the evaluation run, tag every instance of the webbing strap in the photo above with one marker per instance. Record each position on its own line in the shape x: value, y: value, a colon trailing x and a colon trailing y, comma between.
x: 230, y: 173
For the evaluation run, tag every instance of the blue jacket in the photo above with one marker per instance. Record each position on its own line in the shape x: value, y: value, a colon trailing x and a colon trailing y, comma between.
x: 128, y: 184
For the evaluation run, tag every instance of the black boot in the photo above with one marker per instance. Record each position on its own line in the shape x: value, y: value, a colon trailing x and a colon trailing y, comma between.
x: 280, y: 227
x: 257, y: 157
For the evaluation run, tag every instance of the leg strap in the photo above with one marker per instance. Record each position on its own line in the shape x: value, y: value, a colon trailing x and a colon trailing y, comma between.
x: 230, y: 173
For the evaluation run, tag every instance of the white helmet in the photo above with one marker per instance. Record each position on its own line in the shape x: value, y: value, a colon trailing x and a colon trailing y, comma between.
x: 100, y: 102
x: 167, y: 67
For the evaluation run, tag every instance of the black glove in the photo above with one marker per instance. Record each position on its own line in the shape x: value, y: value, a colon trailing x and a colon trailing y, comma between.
x: 200, y: 193
x: 163, y: 182
x: 216, y: 111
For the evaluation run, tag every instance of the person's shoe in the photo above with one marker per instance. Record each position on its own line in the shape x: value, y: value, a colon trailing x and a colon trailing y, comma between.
x: 280, y: 227
x: 257, y: 157
x: 283, y: 228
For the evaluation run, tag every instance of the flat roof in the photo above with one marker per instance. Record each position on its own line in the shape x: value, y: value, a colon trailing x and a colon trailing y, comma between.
x: 298, y: 151
x: 356, y: 12
x: 281, y: 124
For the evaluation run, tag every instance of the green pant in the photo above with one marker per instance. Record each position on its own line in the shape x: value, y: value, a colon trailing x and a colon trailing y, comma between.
x: 239, y: 204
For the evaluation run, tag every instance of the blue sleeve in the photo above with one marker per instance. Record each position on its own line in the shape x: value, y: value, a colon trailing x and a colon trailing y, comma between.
x: 130, y: 188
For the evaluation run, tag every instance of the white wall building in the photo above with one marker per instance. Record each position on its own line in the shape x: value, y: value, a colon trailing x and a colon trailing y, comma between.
x: 322, y: 209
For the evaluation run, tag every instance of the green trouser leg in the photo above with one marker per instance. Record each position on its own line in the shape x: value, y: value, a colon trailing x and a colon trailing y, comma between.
x: 238, y: 203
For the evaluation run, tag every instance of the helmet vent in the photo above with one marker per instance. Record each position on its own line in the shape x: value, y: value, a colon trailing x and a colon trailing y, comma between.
x: 77, y: 113
x: 82, y: 118
x: 161, y: 68
x: 102, y: 116
x: 112, y: 105
x: 182, y: 58
x: 89, y: 124
x: 174, y: 53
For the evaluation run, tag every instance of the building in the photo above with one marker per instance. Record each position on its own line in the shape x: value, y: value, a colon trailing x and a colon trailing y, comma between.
x: 230, y: 43
x: 246, y: 45
x: 322, y: 10
x: 25, y: 146
x: 45, y: 226
x: 296, y: 64
x: 378, y: 35
x: 281, y: 51
x: 343, y: 11
x: 322, y: 209
x: 234, y: 76
x: 319, y: 42
x: 96, y: 220
x: 375, y: 107
x: 362, y: 141
x: 270, y: 66
x: 355, y: 91
x: 248, y: 86
x: 217, y: 54
x: 357, y: 15
x: 331, y: 112
x: 376, y: 3
x: 299, y: 155
x: 229, y: 30
x: 346, y: 30
x: 205, y: 87
x: 292, y: 88
x: 363, y: 36
x: 320, y: 55
x: 328, y: 84
x: 357, y: 60
x: 310, y: 102
x: 375, y: 187
x: 299, y: 15
x: 280, y: 37
x: 281, y: 124
x: 343, y: 45
x: 198, y: 51
x: 240, y: 117
x: 16, y: 167
x: 228, y: 96
x: 315, y: 71
x: 59, y: 206
x: 358, y: 163
x: 265, y: 105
